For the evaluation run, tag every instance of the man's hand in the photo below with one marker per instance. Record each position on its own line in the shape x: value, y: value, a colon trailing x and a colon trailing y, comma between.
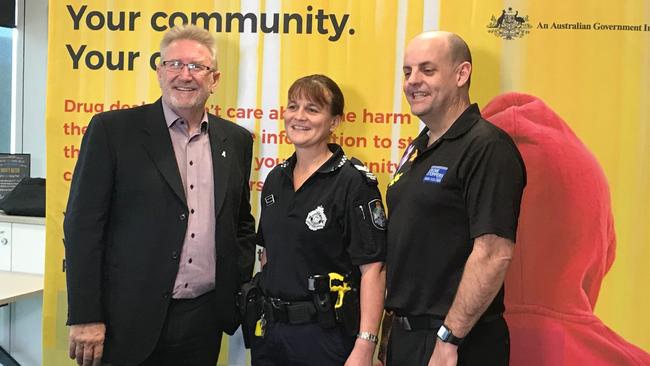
x: 87, y: 343
x: 444, y: 354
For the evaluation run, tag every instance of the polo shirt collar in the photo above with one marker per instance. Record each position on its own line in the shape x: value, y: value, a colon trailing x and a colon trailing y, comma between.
x: 463, y: 123
x: 335, y: 161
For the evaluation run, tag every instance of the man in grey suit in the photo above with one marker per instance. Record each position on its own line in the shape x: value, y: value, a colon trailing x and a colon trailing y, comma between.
x: 158, y: 229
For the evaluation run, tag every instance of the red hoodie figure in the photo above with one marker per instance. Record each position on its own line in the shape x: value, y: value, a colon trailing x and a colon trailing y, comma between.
x: 565, y: 244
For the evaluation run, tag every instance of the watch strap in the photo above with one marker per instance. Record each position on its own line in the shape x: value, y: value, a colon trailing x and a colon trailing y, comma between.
x: 367, y: 336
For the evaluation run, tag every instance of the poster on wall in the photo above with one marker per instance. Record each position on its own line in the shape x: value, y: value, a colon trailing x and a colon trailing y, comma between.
x: 102, y: 56
x: 13, y: 168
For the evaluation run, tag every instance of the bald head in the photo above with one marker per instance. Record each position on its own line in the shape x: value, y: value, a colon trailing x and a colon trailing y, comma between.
x: 437, y: 68
x: 455, y: 47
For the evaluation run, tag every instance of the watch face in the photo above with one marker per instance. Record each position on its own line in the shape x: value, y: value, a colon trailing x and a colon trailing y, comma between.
x: 446, y: 335
x: 443, y: 333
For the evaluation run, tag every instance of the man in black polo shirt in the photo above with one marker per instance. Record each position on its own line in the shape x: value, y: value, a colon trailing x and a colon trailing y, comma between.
x: 453, y: 207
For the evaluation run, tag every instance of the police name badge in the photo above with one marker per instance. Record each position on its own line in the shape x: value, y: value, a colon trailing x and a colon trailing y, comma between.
x: 269, y: 200
x: 316, y: 219
x: 435, y: 174
x: 377, y: 214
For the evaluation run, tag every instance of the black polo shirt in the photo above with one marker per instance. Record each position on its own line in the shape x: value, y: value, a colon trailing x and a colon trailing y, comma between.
x: 333, y: 223
x: 467, y: 183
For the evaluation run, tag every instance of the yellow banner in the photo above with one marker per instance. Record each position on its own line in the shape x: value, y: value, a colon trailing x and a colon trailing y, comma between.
x: 589, y: 62
x: 102, y: 56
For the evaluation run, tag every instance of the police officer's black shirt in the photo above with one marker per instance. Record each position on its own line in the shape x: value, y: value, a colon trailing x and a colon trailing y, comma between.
x: 334, y: 222
x: 467, y: 183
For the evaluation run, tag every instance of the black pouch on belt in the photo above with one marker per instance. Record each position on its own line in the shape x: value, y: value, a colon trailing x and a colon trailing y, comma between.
x: 318, y: 285
x: 250, y: 303
x: 349, y: 313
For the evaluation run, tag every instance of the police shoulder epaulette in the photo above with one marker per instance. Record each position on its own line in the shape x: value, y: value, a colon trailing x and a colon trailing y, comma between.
x: 367, y: 174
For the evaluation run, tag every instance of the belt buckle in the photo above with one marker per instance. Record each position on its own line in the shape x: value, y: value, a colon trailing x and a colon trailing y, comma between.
x: 279, y: 304
x: 279, y: 310
x: 404, y: 322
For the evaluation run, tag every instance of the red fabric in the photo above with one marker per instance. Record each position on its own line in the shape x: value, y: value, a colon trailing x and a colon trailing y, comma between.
x: 565, y: 244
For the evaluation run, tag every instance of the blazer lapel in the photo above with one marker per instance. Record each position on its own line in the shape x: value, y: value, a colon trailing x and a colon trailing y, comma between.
x: 221, y: 159
x: 158, y: 145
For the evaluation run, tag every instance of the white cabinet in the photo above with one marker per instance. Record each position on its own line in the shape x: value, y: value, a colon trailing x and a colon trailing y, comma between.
x: 28, y: 249
x: 5, y: 246
x: 22, y: 244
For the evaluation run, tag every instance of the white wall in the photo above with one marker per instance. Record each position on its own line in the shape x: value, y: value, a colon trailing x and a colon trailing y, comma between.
x: 31, y: 82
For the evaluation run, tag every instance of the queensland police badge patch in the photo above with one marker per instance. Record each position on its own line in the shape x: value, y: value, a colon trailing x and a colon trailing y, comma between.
x: 377, y: 214
x: 316, y: 219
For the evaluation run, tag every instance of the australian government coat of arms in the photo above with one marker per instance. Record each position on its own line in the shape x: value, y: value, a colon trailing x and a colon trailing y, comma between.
x: 509, y: 25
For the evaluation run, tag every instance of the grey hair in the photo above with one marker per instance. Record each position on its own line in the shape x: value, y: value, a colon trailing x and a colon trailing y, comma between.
x: 193, y: 33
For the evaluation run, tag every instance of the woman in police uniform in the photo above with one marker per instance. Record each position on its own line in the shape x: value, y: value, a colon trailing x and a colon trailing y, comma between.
x: 321, y: 213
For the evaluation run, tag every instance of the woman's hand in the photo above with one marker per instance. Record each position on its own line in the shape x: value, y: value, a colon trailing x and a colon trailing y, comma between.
x: 361, y: 353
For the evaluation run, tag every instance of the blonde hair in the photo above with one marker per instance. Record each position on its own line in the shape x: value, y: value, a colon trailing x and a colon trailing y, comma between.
x: 193, y: 33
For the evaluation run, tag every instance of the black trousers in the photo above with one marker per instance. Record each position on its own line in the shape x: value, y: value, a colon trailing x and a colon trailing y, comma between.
x: 301, y: 345
x: 487, y: 344
x: 190, y: 335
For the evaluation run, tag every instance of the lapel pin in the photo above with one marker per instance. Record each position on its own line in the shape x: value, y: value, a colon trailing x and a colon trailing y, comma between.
x: 223, y: 153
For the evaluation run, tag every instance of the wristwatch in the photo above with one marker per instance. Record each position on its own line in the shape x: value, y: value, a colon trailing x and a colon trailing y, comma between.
x: 445, y: 335
x: 367, y: 336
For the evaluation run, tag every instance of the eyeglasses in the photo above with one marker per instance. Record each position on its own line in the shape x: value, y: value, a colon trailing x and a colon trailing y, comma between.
x: 177, y: 66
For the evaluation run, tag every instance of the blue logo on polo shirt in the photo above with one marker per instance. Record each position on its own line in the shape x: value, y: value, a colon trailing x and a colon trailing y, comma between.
x: 435, y: 174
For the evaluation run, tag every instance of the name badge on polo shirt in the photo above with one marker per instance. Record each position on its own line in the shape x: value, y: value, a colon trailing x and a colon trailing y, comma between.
x: 269, y: 200
x: 435, y: 174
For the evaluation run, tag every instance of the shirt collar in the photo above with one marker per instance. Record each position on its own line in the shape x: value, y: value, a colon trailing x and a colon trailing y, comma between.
x: 335, y: 161
x: 463, y: 123
x: 171, y: 117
